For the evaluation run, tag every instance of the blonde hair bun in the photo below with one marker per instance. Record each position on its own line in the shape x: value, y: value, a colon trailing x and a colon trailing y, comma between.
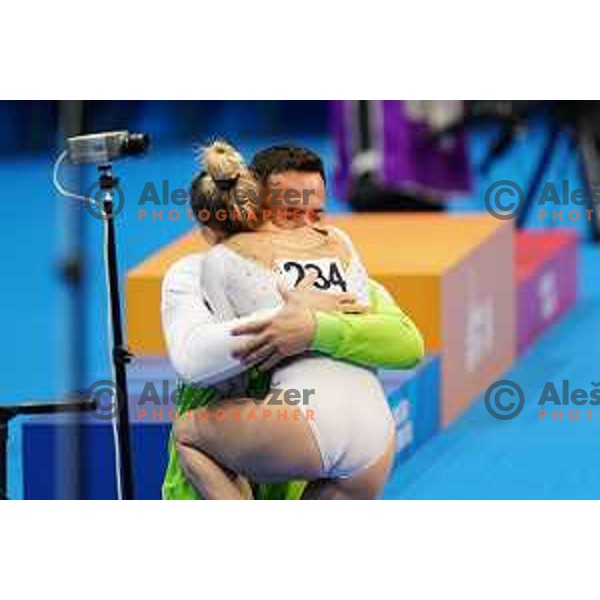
x: 222, y: 161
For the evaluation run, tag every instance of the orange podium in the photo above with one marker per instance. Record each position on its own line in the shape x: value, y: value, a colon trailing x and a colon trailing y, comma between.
x: 453, y: 274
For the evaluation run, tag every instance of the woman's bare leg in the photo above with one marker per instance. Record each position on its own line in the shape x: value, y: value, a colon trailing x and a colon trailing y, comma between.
x: 265, y: 443
x: 209, y: 478
x: 367, y: 485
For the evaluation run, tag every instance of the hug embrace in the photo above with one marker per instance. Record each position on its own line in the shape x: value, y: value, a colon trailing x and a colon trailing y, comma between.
x: 280, y: 303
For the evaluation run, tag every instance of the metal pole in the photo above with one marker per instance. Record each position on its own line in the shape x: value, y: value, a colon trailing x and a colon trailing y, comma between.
x: 72, y: 121
x: 72, y: 216
x: 120, y: 355
x: 587, y: 154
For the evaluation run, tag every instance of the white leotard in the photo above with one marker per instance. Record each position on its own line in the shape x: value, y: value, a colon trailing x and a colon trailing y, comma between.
x: 199, y: 346
x: 351, y: 420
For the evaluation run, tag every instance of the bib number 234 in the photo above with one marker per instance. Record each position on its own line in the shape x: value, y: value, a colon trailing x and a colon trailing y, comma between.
x: 328, y: 273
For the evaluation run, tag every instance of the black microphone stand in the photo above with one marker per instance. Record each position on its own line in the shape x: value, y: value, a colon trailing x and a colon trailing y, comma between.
x: 120, y: 355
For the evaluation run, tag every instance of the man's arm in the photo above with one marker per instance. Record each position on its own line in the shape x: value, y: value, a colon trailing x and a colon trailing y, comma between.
x: 205, y: 352
x: 383, y: 337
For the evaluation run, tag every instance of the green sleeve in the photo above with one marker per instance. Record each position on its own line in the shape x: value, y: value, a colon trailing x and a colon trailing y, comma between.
x: 384, y: 337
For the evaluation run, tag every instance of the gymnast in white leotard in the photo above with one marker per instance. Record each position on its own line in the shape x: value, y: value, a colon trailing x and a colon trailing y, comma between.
x: 349, y: 423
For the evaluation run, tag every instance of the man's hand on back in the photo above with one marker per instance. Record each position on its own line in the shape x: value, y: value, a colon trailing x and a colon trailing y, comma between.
x: 292, y: 329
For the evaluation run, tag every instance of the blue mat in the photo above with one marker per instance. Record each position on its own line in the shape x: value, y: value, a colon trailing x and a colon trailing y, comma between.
x: 479, y: 457
x: 476, y: 458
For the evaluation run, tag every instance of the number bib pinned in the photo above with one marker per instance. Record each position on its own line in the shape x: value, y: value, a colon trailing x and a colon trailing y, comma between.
x: 329, y: 273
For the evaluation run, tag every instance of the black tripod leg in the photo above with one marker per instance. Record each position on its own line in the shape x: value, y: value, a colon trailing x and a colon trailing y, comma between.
x: 540, y: 169
x: 119, y: 359
x: 587, y: 154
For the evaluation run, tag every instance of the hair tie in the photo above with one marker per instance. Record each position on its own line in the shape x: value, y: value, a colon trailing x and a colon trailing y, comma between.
x: 224, y: 185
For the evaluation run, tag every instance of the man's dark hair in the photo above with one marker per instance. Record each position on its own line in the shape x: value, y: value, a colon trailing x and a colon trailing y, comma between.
x: 279, y: 159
